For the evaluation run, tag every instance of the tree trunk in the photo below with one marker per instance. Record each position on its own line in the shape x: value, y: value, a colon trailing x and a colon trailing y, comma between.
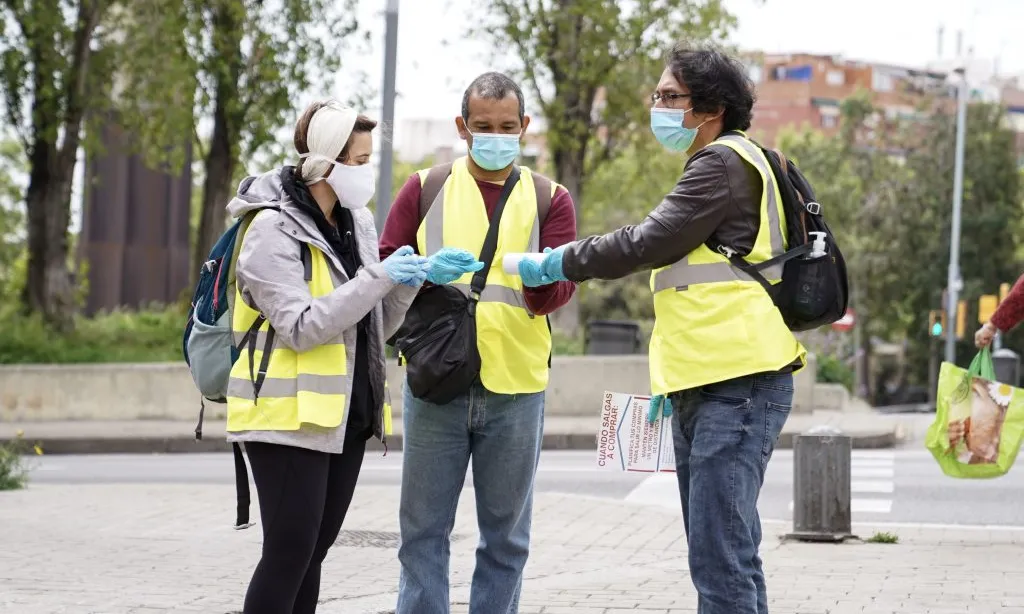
x: 220, y: 168
x: 49, y: 287
x: 222, y: 157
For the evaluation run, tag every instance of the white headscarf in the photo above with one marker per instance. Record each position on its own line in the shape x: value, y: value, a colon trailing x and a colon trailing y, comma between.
x: 327, y: 133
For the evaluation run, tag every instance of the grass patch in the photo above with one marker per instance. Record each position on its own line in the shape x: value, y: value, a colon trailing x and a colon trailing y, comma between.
x: 147, y: 335
x: 883, y: 538
x: 13, y: 472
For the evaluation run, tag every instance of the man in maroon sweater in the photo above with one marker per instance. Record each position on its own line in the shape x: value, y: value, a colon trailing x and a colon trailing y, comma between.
x: 498, y: 423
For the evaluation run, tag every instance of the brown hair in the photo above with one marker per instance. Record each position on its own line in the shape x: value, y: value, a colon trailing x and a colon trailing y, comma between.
x: 363, y: 124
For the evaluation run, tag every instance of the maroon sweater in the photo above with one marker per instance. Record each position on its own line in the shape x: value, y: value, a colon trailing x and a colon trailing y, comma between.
x: 1011, y: 311
x: 559, y: 228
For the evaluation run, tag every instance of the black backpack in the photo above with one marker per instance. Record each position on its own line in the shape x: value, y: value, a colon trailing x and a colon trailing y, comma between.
x: 814, y: 292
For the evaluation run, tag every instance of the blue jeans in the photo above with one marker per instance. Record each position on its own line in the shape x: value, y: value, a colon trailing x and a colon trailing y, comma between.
x: 724, y: 435
x: 501, y: 434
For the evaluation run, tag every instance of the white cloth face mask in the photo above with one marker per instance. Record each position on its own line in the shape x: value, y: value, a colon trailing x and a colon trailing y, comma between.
x: 353, y: 185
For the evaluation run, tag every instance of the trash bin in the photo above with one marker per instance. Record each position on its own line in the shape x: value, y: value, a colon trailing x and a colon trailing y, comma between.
x: 1007, y: 366
x: 612, y: 337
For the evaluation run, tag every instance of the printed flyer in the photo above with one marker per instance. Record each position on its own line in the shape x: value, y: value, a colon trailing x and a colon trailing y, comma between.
x: 626, y: 441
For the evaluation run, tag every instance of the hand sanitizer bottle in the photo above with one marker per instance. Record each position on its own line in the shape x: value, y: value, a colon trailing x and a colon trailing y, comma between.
x: 818, y: 247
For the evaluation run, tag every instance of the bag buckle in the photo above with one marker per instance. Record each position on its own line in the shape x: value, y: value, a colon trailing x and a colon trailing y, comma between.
x: 728, y: 252
x: 813, y: 208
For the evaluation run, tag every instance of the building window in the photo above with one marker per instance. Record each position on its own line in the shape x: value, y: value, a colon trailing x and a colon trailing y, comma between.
x: 829, y: 120
x: 881, y: 82
x: 835, y: 77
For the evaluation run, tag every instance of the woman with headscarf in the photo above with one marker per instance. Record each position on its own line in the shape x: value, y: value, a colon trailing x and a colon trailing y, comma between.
x: 309, y: 390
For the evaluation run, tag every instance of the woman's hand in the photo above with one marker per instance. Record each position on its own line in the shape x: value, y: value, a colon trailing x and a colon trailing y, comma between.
x: 404, y: 266
x: 983, y: 338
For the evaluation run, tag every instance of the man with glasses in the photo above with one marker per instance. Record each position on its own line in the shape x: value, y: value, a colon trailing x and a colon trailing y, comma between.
x: 721, y: 356
x: 499, y: 422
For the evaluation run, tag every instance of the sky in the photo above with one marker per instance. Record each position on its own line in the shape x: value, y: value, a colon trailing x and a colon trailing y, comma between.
x: 436, y: 59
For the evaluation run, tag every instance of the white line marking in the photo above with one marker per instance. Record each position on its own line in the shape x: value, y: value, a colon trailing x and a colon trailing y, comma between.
x: 873, y: 472
x: 872, y: 486
x: 872, y: 462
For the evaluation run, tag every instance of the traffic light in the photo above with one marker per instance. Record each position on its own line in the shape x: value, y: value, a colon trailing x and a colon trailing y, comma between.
x: 986, y: 307
x: 936, y: 322
x: 961, y: 319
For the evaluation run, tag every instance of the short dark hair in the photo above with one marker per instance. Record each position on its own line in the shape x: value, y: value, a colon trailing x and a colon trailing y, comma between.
x: 493, y: 86
x: 716, y: 81
x: 362, y: 124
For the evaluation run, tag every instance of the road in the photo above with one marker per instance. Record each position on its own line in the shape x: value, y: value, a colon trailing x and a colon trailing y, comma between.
x: 888, y: 486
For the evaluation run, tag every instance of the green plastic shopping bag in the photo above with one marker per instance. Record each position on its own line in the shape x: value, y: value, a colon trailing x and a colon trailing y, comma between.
x: 979, y: 422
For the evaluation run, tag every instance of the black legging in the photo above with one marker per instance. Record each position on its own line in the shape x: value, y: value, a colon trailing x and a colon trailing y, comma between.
x: 304, y: 496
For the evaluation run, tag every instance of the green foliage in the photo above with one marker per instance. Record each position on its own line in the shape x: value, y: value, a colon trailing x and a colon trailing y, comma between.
x: 882, y: 537
x: 12, y: 220
x: 623, y: 192
x: 887, y: 189
x: 149, y: 335
x: 831, y: 370
x: 590, y: 64
x: 255, y: 57
x: 13, y: 473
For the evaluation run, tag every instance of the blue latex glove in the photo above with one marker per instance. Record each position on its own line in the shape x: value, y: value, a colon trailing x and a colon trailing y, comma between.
x: 552, y: 264
x: 659, y: 402
x: 451, y: 263
x: 532, y: 274
x: 404, y: 266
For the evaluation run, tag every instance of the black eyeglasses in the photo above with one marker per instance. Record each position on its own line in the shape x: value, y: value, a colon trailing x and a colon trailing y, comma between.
x: 668, y: 97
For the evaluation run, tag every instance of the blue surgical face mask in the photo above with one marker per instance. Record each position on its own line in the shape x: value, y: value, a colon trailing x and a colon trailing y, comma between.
x: 493, y: 152
x: 667, y: 126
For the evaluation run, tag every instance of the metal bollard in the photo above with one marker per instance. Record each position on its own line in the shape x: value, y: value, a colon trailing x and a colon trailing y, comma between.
x: 821, y: 486
x: 1007, y: 366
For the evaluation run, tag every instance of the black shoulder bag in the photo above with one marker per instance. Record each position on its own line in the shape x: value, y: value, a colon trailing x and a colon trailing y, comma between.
x: 438, y: 338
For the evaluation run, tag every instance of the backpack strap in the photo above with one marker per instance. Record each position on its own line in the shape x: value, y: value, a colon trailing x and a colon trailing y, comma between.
x: 241, y: 488
x: 432, y: 186
x: 542, y: 185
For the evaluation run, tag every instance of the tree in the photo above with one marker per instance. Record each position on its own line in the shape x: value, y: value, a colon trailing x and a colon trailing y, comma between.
x: 589, y: 65
x: 253, y: 58
x: 60, y: 64
x: 623, y: 192
x: 887, y: 188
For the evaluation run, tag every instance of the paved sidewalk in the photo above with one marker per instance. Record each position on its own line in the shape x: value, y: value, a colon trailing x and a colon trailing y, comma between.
x: 868, y: 429
x: 162, y: 549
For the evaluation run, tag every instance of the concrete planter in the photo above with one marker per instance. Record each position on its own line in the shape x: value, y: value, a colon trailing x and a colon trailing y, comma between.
x: 164, y: 391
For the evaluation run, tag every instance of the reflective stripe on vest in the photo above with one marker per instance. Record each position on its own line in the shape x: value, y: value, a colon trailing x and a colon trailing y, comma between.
x: 712, y: 323
x: 683, y: 274
x: 514, y: 345
x: 310, y: 387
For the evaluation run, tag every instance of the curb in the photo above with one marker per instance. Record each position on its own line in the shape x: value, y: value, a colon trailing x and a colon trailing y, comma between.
x: 184, y: 444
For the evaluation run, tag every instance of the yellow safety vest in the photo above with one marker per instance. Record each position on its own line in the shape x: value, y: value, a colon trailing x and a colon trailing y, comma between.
x: 712, y: 321
x: 514, y: 344
x: 300, y: 387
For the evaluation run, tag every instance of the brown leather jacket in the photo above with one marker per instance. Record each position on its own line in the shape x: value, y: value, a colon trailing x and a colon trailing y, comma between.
x: 718, y: 195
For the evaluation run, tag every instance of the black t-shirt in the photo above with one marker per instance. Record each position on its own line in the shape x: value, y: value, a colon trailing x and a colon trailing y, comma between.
x: 342, y: 240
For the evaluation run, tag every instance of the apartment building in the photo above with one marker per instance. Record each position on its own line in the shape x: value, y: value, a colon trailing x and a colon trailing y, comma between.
x: 805, y: 90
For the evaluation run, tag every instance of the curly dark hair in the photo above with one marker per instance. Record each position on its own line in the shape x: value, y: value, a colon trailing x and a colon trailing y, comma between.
x: 716, y: 80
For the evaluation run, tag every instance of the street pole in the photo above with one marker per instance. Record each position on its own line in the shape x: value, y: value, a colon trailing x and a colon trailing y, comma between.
x: 953, y: 281
x: 384, y: 183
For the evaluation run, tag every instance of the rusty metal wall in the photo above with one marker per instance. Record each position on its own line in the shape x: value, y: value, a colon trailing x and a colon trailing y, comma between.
x: 135, y: 228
